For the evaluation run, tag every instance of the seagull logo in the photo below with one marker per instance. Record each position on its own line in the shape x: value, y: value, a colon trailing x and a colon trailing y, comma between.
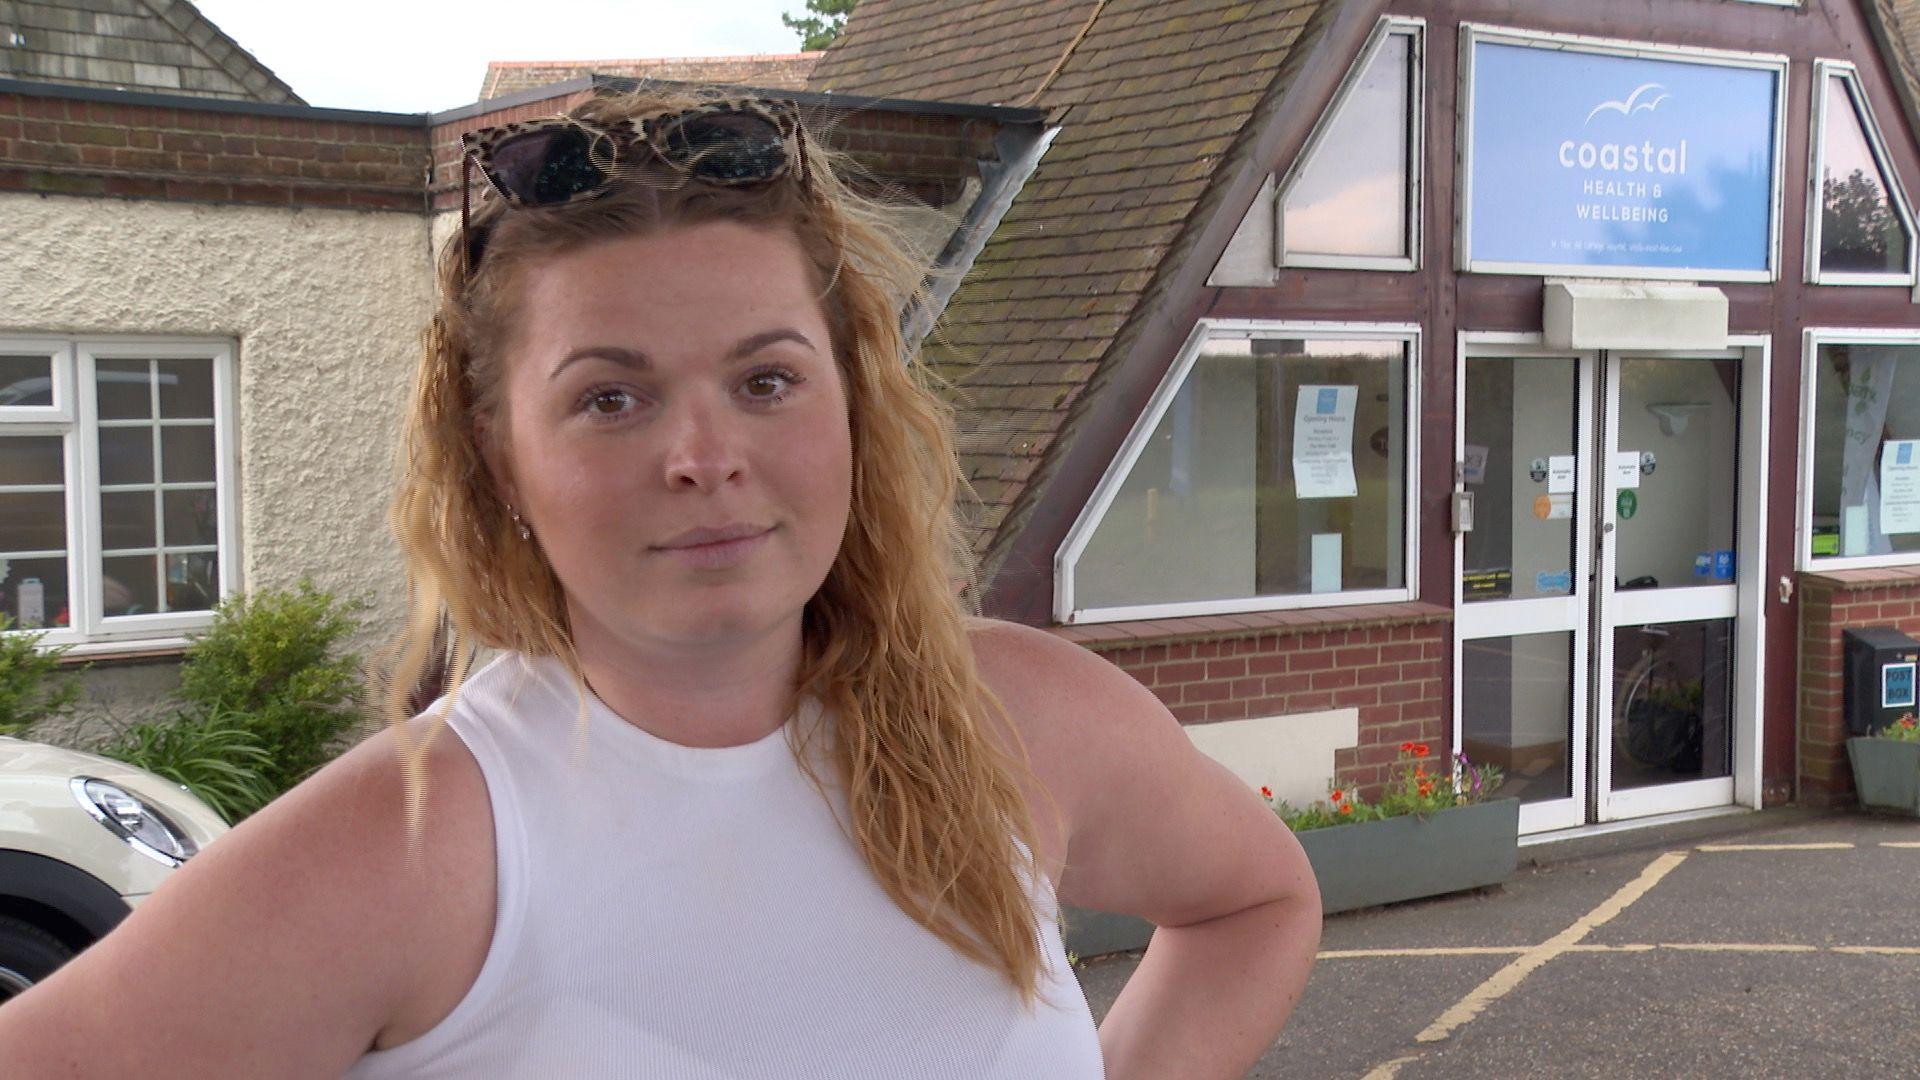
x: 1633, y: 104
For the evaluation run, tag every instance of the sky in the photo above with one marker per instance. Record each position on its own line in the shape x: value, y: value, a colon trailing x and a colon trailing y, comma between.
x: 429, y: 55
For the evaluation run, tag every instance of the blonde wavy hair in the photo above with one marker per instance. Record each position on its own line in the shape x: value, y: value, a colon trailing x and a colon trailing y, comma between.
x: 935, y: 799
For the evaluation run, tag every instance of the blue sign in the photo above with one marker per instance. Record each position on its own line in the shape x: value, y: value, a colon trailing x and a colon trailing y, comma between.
x: 1327, y: 401
x: 1584, y: 160
x: 1553, y: 583
x: 1723, y: 565
x: 1896, y: 686
x: 1703, y: 564
x: 1904, y: 456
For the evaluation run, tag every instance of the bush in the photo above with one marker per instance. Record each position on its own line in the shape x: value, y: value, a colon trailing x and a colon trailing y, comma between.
x: 217, y: 759
x: 267, y: 665
x: 30, y: 689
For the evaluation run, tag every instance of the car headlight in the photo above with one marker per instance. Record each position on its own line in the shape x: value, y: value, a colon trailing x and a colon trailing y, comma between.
x: 144, y: 828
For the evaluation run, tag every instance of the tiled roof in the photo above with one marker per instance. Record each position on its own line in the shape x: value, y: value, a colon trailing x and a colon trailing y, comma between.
x: 772, y: 71
x: 154, y: 45
x: 1150, y: 95
x: 1897, y: 27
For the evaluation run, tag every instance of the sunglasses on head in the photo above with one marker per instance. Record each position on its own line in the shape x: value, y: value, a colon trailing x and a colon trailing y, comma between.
x: 564, y: 159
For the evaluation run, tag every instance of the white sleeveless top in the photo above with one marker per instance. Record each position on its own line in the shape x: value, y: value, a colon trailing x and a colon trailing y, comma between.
x: 697, y: 914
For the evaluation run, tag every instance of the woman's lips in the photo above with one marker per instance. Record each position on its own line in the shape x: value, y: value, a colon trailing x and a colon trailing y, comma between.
x: 720, y: 555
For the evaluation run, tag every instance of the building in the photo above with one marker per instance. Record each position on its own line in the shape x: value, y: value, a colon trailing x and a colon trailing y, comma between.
x: 1490, y: 375
x: 1486, y: 373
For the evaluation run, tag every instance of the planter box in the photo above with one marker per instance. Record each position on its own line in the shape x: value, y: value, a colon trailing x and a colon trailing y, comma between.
x: 1364, y: 864
x: 1886, y: 773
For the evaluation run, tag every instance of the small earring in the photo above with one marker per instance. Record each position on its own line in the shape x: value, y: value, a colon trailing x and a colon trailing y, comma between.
x: 525, y: 533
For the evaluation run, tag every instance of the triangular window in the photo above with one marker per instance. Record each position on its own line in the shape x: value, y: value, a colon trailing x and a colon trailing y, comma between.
x: 1353, y: 199
x: 1863, y: 224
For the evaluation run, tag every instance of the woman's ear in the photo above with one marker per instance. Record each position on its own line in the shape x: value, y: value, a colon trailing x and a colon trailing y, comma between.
x: 486, y: 436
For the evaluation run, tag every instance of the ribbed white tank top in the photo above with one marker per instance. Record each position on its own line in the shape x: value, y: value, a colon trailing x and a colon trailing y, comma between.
x: 698, y: 914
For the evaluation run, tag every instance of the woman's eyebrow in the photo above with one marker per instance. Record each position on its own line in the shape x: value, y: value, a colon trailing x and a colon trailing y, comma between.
x: 638, y: 361
x: 749, y: 345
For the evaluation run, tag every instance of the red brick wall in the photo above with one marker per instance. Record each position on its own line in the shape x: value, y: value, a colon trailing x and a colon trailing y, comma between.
x: 1830, y: 603
x: 1389, y: 661
x: 70, y: 146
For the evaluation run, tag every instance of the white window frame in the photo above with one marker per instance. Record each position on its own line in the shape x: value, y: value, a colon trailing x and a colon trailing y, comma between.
x: 1415, y: 31
x: 75, y: 418
x: 1823, y: 73
x: 1473, y: 33
x: 1811, y: 340
x: 1068, y: 556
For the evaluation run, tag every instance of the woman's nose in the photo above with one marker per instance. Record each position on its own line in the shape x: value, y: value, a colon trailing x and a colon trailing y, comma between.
x: 703, y: 448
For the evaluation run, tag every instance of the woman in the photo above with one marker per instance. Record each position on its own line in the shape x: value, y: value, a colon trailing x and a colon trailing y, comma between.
x: 745, y: 793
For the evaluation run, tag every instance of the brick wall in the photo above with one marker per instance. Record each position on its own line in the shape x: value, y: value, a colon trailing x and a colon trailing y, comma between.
x: 75, y: 145
x: 1831, y: 603
x: 1388, y: 661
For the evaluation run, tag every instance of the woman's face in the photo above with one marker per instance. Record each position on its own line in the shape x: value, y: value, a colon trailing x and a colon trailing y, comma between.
x: 663, y: 391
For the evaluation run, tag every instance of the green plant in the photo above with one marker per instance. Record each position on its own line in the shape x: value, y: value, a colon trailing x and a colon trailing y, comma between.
x: 1905, y: 729
x: 270, y: 664
x: 220, y: 761
x: 30, y: 689
x: 1414, y: 788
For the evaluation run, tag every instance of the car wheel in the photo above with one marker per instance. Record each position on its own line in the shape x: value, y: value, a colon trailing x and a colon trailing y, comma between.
x: 28, y: 954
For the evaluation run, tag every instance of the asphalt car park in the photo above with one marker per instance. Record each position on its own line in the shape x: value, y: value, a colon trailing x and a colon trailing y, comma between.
x: 1771, y: 945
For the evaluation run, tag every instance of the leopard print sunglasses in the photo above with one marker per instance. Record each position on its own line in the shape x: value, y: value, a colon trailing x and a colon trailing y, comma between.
x: 564, y: 159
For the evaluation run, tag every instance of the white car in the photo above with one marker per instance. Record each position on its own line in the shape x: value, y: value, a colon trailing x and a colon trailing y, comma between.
x: 83, y: 839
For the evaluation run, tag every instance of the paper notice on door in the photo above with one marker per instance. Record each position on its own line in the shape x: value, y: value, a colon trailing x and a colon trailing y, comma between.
x: 1473, y: 470
x: 1853, y: 530
x: 1626, y: 469
x: 1560, y: 474
x: 1900, y: 486
x: 1323, y: 442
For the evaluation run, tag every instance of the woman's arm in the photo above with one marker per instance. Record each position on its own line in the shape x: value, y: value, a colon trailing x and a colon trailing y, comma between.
x: 1159, y: 830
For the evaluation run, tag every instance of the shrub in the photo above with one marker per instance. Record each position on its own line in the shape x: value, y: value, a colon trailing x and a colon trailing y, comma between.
x: 217, y: 759
x: 30, y: 689
x: 1413, y: 789
x: 268, y: 665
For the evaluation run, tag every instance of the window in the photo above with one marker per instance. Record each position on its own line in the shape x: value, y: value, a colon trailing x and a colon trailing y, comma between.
x: 1353, y: 200
x: 1862, y: 462
x: 1859, y: 225
x: 1270, y: 471
x: 117, y: 489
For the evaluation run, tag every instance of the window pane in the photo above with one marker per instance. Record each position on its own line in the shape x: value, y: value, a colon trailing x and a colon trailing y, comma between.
x: 1866, y: 447
x: 130, y: 585
x: 33, y: 592
x: 32, y: 459
x: 33, y: 521
x: 1859, y: 229
x: 189, y: 517
x: 1681, y: 418
x: 193, y: 581
x: 126, y: 520
x: 1226, y: 502
x: 1521, y: 414
x: 1351, y: 197
x: 186, y: 455
x: 186, y: 389
x: 26, y: 380
x: 126, y: 455
x: 1672, y: 702
x: 124, y: 389
x: 1516, y: 711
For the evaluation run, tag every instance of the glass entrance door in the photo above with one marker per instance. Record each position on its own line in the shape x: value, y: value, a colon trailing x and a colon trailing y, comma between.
x: 1596, y: 618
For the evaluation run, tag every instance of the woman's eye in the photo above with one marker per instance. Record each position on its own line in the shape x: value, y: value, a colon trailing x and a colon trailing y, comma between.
x: 606, y: 401
x: 772, y: 385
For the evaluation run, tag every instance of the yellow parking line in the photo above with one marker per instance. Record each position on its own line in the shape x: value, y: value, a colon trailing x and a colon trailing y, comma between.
x: 1728, y: 946
x: 1609, y: 948
x: 1460, y: 950
x: 1776, y: 847
x: 1878, y: 950
x: 1390, y: 1069
x: 1503, y: 981
x: 1900, y: 843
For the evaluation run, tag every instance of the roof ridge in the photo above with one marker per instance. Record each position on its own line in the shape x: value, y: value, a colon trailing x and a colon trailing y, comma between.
x: 181, y: 16
x: 654, y: 60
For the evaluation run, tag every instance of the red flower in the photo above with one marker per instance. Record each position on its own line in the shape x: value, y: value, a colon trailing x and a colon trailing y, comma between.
x: 1346, y: 808
x: 1406, y: 748
x: 1266, y: 792
x: 1337, y: 795
x: 1421, y: 750
x: 1426, y: 788
x: 1419, y: 770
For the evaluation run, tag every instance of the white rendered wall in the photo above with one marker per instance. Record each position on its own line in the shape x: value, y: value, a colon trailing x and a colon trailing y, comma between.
x: 327, y: 307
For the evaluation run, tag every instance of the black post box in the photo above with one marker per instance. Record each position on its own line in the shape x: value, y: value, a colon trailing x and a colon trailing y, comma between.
x: 1879, y: 683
